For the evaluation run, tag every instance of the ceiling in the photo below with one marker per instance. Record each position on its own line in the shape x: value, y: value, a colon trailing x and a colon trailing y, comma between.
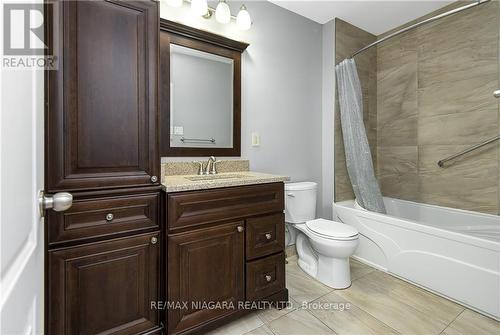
x: 373, y: 16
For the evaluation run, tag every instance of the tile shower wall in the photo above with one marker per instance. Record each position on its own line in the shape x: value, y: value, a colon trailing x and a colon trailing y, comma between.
x: 427, y: 95
x: 348, y: 39
x: 434, y: 98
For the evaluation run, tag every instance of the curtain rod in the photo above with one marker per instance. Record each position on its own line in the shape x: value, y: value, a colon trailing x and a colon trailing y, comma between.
x: 453, y: 11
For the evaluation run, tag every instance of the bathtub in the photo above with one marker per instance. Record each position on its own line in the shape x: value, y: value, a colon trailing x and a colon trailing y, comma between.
x: 452, y: 252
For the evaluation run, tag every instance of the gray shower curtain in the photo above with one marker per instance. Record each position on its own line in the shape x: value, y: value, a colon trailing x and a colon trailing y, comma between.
x: 357, y: 150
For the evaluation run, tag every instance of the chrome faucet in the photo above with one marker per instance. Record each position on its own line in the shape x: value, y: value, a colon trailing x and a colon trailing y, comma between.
x: 210, y: 167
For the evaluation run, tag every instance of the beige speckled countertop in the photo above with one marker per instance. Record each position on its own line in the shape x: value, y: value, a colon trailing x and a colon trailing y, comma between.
x: 179, y: 183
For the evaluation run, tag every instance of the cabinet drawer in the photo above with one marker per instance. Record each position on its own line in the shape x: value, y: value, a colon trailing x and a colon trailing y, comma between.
x: 104, y: 216
x: 265, y: 277
x: 196, y: 208
x: 265, y: 235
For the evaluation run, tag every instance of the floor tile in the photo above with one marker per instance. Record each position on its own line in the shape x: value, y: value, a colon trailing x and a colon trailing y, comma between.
x: 359, y: 269
x: 299, y: 322
x: 391, y: 311
x: 240, y: 326
x: 262, y: 330
x: 346, y: 318
x: 268, y: 315
x: 424, y: 301
x: 470, y: 322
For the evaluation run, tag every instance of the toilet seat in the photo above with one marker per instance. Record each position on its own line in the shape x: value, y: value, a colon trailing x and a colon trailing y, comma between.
x: 332, y: 230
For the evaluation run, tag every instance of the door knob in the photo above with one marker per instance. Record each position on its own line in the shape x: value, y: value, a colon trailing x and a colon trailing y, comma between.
x: 268, y: 236
x: 268, y: 278
x: 58, y: 202
x: 496, y: 94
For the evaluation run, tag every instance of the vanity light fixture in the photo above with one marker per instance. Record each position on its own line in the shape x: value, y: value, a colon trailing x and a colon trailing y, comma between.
x: 222, y: 12
x: 199, y: 7
x: 243, y: 20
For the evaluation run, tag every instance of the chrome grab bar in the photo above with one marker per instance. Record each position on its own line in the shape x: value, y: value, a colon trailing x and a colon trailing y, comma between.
x: 466, y: 151
x: 183, y: 139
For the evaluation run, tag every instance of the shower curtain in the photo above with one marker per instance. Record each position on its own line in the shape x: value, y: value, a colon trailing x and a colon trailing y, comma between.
x: 357, y: 151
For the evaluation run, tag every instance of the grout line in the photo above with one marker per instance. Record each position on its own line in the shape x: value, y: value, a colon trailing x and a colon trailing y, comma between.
x: 456, y: 317
x: 314, y: 316
x: 350, y: 302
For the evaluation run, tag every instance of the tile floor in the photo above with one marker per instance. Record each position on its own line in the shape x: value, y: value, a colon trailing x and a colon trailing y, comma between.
x: 376, y: 303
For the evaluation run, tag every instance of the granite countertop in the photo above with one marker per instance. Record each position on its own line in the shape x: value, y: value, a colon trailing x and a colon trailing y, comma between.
x: 179, y: 183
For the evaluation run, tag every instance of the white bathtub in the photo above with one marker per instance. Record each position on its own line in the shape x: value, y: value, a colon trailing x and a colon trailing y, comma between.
x: 452, y: 252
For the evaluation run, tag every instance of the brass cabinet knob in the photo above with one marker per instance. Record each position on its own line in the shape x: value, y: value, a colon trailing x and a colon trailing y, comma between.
x: 268, y: 236
x: 154, y: 179
x: 268, y: 278
x: 240, y: 229
x: 109, y: 217
x: 154, y: 240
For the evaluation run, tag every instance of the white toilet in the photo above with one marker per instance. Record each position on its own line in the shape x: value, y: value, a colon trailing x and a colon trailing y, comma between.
x: 323, y: 246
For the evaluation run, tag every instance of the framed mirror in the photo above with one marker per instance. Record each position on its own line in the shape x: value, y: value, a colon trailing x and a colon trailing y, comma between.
x: 200, y: 92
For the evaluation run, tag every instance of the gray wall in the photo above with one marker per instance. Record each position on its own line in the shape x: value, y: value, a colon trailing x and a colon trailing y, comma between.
x: 281, y: 89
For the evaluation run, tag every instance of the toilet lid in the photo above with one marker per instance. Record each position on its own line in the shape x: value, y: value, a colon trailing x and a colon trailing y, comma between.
x: 331, y: 228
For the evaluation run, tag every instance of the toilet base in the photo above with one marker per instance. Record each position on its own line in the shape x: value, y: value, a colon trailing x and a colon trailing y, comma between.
x: 331, y: 271
x: 334, y: 272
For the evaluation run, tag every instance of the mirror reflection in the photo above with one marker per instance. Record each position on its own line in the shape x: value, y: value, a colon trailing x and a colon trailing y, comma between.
x: 201, y: 99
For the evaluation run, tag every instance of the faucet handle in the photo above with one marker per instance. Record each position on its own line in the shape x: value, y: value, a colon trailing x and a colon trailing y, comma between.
x: 200, y: 169
x: 214, y: 167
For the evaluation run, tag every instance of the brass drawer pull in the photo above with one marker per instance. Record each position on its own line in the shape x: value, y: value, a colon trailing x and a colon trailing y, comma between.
x: 240, y: 229
x: 268, y: 278
x: 154, y: 240
x: 268, y: 236
x: 109, y: 217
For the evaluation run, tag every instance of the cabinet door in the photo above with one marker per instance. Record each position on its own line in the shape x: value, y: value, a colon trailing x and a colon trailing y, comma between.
x: 102, y: 101
x: 105, y: 288
x: 204, y: 266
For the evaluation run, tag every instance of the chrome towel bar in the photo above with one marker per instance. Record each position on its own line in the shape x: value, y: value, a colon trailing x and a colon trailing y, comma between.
x: 183, y: 139
x: 477, y: 146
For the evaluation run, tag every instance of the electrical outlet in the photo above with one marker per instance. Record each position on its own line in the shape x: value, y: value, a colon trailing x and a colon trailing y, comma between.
x: 255, y: 139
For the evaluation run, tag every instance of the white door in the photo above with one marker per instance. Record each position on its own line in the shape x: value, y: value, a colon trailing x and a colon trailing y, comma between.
x: 21, y: 177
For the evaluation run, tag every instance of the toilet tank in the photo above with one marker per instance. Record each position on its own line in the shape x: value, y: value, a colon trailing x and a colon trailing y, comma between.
x: 300, y: 202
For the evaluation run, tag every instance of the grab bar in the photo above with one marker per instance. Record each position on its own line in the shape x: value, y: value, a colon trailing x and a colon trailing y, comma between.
x: 477, y: 146
x: 183, y: 139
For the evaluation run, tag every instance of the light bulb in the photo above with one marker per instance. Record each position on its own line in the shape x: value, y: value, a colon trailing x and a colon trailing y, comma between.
x: 222, y: 12
x: 175, y: 3
x: 243, y: 20
x: 199, y: 7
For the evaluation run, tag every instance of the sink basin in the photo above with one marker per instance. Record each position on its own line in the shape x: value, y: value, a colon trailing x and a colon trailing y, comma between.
x: 215, y: 177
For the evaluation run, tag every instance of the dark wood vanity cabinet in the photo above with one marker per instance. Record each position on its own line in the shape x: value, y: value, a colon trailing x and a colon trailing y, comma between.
x: 103, y: 268
x: 102, y: 102
x: 225, y: 247
x: 205, y: 266
x: 105, y: 287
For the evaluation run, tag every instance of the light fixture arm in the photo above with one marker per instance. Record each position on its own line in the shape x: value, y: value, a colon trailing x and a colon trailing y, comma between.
x: 210, y: 12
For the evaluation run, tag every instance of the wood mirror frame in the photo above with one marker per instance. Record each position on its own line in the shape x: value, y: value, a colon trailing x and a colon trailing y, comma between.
x: 208, y: 42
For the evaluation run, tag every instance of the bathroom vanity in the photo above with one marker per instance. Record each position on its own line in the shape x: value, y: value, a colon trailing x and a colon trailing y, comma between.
x: 225, y: 247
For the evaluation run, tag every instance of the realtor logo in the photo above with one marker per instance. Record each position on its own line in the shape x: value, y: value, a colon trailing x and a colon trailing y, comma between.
x: 23, y: 29
x: 23, y: 37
